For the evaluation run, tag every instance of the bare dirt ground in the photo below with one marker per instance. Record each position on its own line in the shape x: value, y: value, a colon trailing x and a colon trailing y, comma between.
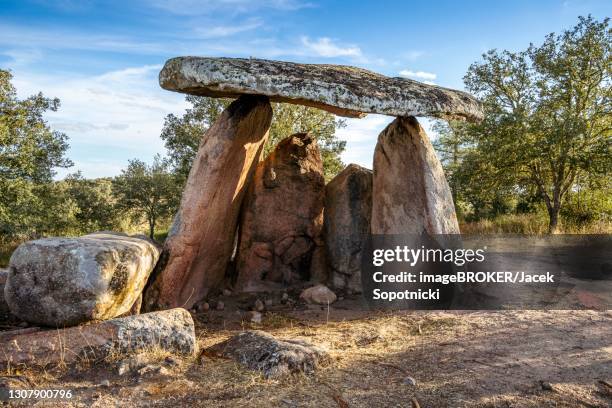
x: 457, y: 359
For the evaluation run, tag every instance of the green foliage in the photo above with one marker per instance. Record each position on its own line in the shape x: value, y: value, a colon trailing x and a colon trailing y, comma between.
x: 29, y: 149
x: 547, y: 120
x: 182, y: 135
x: 95, y: 201
x: 147, y: 192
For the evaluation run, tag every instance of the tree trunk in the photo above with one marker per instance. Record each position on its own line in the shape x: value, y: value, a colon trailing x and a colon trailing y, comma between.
x: 200, y: 242
x: 152, y: 229
x: 553, y: 219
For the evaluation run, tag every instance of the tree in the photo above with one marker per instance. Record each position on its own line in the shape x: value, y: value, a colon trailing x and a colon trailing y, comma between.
x: 29, y: 149
x: 547, y: 112
x: 95, y: 202
x: 30, y: 203
x: 183, y: 134
x: 147, y: 192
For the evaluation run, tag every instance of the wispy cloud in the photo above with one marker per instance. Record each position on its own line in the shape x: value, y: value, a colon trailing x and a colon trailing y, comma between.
x: 227, y: 30
x: 418, y: 74
x: 200, y: 7
x: 109, y: 118
x: 325, y: 47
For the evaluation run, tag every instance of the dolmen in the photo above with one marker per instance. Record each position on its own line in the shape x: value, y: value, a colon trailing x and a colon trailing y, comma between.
x: 257, y: 223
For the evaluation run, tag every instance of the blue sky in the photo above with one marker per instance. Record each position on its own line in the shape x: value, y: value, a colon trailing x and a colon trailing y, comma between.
x: 101, y: 58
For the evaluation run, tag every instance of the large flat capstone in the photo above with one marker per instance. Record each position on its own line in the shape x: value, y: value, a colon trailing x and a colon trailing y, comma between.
x: 339, y: 89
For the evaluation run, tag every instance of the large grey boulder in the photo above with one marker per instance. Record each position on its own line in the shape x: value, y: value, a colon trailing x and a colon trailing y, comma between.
x: 4, y: 310
x: 274, y: 358
x: 170, y: 330
x: 342, y: 90
x: 348, y: 208
x: 66, y: 281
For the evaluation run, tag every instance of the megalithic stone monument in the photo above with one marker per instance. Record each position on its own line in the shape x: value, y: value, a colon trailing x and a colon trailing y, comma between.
x: 199, y: 246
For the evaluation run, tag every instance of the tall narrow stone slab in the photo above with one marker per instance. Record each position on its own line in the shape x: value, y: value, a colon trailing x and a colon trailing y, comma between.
x: 348, y: 208
x: 200, y: 243
x: 282, y: 216
x: 410, y: 193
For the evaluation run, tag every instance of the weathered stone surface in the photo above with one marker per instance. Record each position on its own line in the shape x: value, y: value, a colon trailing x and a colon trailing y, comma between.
x: 342, y: 90
x: 318, y: 294
x: 260, y: 351
x: 171, y: 330
x: 4, y: 309
x: 65, y: 281
x: 348, y: 208
x: 200, y: 243
x: 410, y: 193
x: 282, y: 216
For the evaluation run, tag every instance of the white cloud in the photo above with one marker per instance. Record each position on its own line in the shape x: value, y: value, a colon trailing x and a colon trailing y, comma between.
x: 227, y: 30
x: 361, y: 136
x: 418, y: 74
x: 325, y: 47
x: 109, y: 118
x: 200, y: 7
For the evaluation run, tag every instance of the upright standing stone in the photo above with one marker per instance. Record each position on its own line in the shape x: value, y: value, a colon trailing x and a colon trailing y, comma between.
x: 410, y: 192
x: 348, y: 208
x: 200, y: 243
x: 282, y: 216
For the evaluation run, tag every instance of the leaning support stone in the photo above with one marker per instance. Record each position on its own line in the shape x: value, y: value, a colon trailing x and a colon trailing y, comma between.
x: 170, y: 330
x: 410, y: 192
x: 200, y: 243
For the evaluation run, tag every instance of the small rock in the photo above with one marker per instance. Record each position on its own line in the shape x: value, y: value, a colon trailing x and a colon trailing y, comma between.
x: 258, y: 350
x: 253, y: 316
x: 546, y: 386
x: 409, y: 381
x: 220, y: 305
x: 285, y: 296
x: 192, y: 311
x: 227, y: 292
x: 319, y: 294
x: 23, y: 324
x: 269, y: 302
x: 259, y: 306
x: 204, y: 307
x: 105, y: 383
x: 171, y: 361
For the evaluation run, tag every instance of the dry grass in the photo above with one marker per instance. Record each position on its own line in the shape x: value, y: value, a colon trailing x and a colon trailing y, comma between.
x: 458, y: 359
x: 530, y: 224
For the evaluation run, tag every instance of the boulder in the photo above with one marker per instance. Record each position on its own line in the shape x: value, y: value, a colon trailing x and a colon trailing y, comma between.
x: 4, y: 309
x: 66, y: 281
x: 341, y: 90
x: 282, y: 216
x: 410, y: 194
x: 348, y: 208
x: 318, y: 294
x: 201, y: 241
x: 274, y: 358
x: 171, y: 330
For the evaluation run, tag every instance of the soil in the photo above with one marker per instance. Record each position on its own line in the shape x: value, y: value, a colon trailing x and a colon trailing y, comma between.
x: 380, y: 359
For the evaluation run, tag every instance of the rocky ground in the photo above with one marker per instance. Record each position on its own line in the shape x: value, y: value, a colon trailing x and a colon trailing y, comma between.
x: 403, y: 359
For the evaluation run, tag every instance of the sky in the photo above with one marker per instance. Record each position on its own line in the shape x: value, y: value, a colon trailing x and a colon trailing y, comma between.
x: 102, y: 58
